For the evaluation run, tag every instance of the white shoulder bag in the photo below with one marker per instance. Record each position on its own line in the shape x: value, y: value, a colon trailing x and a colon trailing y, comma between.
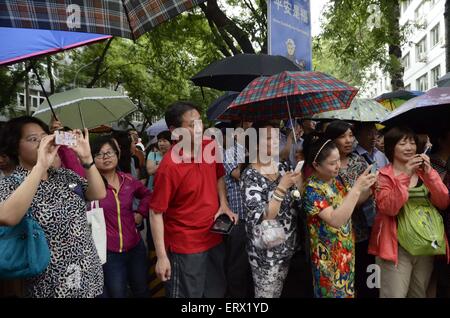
x: 96, y: 220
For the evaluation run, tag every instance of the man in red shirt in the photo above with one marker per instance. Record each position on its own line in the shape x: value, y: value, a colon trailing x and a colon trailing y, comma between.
x: 188, y: 196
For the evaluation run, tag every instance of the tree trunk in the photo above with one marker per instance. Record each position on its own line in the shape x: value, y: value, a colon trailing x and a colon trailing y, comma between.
x: 395, y: 67
x: 226, y: 25
x: 447, y: 35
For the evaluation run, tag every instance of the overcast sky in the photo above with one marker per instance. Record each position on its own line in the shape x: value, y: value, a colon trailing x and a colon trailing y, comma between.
x: 317, y: 7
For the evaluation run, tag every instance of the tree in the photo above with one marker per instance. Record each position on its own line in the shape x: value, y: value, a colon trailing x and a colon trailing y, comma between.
x: 155, y: 70
x: 361, y: 33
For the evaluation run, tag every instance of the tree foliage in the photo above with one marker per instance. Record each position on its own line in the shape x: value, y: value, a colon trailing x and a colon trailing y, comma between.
x: 155, y: 70
x: 361, y: 33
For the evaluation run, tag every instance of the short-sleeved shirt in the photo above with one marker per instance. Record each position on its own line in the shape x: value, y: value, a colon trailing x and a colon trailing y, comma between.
x: 377, y: 156
x: 332, y: 250
x: 187, y: 195
x: 232, y: 157
x: 59, y: 207
x: 156, y: 157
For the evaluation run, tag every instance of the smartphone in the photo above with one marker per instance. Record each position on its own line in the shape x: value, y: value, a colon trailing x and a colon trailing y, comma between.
x: 299, y: 166
x: 222, y: 225
x: 374, y: 168
x: 65, y: 138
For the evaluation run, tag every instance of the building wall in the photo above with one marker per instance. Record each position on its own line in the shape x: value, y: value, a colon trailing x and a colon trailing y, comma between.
x: 425, y: 15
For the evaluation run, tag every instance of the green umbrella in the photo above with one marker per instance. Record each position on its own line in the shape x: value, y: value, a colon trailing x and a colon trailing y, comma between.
x: 360, y: 110
x: 86, y: 107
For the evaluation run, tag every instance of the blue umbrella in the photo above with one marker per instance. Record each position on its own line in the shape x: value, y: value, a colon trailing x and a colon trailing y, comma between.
x: 220, y: 105
x: 21, y: 44
x: 157, y: 127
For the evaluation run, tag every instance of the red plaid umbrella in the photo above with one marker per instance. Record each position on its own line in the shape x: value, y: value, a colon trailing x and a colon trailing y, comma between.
x: 124, y: 18
x: 288, y: 95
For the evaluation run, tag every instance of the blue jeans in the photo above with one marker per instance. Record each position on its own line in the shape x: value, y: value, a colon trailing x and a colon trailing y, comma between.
x: 123, y: 269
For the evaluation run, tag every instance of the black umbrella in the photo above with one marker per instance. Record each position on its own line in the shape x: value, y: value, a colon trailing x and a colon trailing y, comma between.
x: 220, y: 105
x: 400, y: 94
x: 424, y: 114
x: 444, y: 81
x: 236, y: 72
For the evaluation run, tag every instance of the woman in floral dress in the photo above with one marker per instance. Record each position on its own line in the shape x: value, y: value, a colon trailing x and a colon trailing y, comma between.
x: 329, y: 204
x: 352, y: 166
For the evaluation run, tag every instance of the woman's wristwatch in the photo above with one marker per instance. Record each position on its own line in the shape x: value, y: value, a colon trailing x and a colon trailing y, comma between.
x: 87, y: 166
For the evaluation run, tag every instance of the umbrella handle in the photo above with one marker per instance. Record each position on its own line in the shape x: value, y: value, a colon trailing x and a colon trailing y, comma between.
x: 290, y: 119
x: 43, y: 90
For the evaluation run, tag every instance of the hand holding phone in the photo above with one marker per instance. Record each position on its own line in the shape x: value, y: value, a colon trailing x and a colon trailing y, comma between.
x: 426, y: 150
x: 222, y: 225
x: 65, y: 138
x: 299, y: 166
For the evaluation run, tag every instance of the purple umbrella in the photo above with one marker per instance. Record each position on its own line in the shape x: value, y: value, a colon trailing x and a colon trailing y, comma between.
x: 424, y: 113
x: 21, y: 44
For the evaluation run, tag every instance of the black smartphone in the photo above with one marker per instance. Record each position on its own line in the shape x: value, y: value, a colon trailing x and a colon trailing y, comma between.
x: 222, y: 225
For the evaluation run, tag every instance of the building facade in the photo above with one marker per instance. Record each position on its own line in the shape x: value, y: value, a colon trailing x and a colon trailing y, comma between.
x: 423, y: 54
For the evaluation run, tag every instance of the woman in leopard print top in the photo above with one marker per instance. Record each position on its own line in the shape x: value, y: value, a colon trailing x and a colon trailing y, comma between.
x: 57, y: 200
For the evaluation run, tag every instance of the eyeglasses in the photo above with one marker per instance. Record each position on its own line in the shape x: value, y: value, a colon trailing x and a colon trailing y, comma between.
x: 35, y: 139
x: 103, y: 155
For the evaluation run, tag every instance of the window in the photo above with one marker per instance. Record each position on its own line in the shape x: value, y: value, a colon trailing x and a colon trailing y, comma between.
x: 422, y: 83
x: 387, y: 84
x: 406, y: 61
x: 405, y: 4
x: 21, y: 100
x: 435, y: 75
x: 434, y: 35
x: 421, y: 49
x: 35, y: 101
x: 138, y: 116
x: 420, y: 11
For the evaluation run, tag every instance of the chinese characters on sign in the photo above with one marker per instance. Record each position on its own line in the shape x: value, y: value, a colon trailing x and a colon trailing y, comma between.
x: 290, y: 31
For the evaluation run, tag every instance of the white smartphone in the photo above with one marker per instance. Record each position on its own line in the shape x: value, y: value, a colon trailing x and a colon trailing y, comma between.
x: 299, y: 166
x: 65, y: 138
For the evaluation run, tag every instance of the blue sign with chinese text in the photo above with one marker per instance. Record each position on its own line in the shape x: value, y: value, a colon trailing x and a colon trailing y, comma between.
x: 290, y: 31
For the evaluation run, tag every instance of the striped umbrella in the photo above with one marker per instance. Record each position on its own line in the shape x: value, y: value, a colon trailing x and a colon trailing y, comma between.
x: 288, y: 95
x: 124, y: 18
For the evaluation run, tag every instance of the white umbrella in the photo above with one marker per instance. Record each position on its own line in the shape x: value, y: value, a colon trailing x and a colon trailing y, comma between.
x: 86, y: 107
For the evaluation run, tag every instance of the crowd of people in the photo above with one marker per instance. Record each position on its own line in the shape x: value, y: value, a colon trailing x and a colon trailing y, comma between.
x: 347, y: 211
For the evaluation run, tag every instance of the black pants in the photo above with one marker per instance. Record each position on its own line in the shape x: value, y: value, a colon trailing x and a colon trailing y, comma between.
x: 362, y: 260
x: 237, y: 268
x: 198, y: 275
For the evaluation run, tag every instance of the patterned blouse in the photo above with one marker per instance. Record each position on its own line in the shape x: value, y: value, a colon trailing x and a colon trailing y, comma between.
x: 355, y: 167
x: 257, y: 192
x: 332, y: 250
x: 59, y: 207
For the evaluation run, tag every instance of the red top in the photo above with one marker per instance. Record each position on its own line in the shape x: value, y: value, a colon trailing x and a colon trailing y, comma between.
x: 187, y: 195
